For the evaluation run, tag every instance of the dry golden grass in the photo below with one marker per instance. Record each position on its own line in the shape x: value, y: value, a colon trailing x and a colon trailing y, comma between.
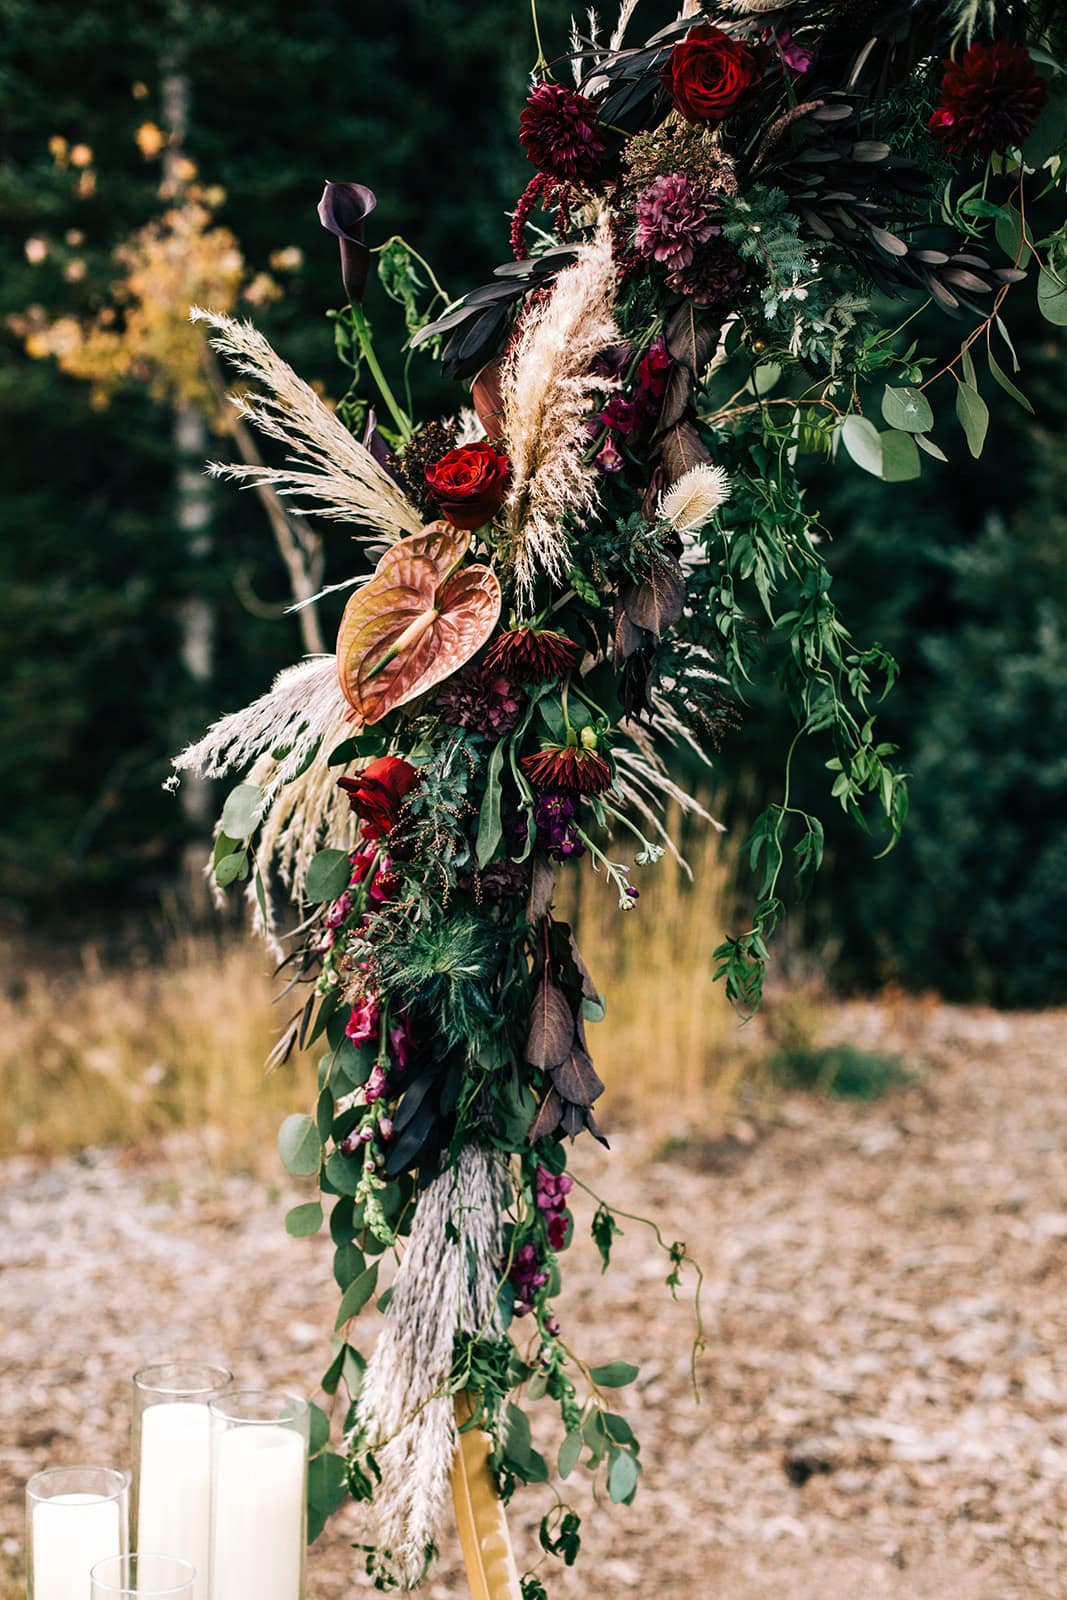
x: 125, y: 1056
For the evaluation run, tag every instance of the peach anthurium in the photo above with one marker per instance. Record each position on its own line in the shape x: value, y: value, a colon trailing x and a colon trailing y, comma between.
x: 418, y: 620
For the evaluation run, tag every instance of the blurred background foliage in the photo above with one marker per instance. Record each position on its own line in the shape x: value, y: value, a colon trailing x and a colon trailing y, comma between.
x: 962, y: 575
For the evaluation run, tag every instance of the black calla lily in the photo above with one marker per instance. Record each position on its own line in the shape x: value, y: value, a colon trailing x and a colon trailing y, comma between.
x: 343, y: 210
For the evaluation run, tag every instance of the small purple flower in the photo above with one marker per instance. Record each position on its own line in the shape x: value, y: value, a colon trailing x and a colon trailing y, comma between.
x: 385, y: 1129
x: 608, y: 458
x: 557, y: 831
x: 672, y: 219
x: 797, y: 57
x: 621, y: 416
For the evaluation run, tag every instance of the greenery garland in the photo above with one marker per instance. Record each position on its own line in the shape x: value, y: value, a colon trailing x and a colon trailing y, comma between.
x: 580, y: 583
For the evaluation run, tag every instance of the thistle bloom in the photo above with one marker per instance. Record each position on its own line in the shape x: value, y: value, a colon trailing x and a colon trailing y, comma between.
x: 568, y: 767
x: 531, y: 655
x: 990, y: 99
x: 559, y: 130
x: 672, y: 220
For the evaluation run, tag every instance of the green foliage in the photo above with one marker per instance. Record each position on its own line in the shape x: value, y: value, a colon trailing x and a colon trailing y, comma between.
x: 843, y: 1072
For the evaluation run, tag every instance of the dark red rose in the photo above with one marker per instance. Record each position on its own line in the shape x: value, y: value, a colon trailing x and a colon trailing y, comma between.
x: 560, y: 133
x: 379, y: 792
x: 990, y: 99
x: 708, y: 72
x: 343, y: 210
x: 469, y: 484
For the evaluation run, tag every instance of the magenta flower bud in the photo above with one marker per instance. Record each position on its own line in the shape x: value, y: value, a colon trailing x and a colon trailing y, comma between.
x: 385, y: 1128
x: 552, y: 1327
x: 374, y: 1087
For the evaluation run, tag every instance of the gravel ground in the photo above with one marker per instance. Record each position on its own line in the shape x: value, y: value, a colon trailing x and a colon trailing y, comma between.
x: 884, y: 1402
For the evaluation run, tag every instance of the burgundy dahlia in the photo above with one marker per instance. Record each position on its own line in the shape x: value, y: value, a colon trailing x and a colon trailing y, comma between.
x: 568, y: 767
x: 716, y: 276
x: 531, y: 655
x: 480, y: 699
x: 672, y: 219
x: 560, y: 132
x: 990, y: 99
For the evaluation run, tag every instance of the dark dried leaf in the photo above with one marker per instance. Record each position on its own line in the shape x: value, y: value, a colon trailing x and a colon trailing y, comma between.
x: 577, y: 1079
x: 551, y: 1025
x: 657, y: 602
x: 690, y: 340
x: 542, y: 882
x: 546, y: 1121
x: 682, y: 448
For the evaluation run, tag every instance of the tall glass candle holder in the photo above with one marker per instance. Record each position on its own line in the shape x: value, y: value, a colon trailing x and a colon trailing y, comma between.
x: 258, y: 1496
x: 75, y: 1516
x: 172, y: 1461
x: 143, y: 1577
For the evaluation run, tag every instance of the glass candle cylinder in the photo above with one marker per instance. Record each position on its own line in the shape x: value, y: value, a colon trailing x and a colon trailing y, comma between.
x: 172, y: 1461
x: 259, y: 1485
x: 143, y: 1577
x: 75, y: 1516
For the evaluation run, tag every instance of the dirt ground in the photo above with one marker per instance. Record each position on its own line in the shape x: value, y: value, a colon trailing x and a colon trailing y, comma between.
x: 884, y: 1405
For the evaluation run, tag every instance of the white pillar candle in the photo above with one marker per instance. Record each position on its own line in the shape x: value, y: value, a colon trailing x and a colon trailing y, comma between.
x: 258, y: 1527
x: 71, y: 1533
x: 174, y: 1486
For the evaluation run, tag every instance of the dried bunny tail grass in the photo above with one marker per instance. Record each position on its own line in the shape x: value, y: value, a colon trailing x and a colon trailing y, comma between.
x: 308, y: 813
x: 331, y: 470
x: 446, y: 1284
x: 694, y: 498
x: 303, y: 705
x: 547, y: 389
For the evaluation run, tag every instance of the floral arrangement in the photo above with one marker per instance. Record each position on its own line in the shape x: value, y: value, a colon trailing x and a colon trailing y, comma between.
x: 565, y: 589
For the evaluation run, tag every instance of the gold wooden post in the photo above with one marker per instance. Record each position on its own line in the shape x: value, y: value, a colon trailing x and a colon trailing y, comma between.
x: 480, y: 1517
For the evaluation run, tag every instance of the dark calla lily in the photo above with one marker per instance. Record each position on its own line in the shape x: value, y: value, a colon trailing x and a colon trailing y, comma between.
x: 343, y: 210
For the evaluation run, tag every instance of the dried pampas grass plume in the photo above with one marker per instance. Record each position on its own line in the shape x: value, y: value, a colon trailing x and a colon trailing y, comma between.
x: 337, y: 476
x: 694, y: 498
x: 446, y: 1284
x: 547, y: 388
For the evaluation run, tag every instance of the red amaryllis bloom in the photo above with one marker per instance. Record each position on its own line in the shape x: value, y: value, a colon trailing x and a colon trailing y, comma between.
x: 560, y: 133
x: 531, y: 655
x: 469, y: 484
x: 379, y: 792
x: 568, y: 766
x: 708, y: 72
x: 990, y: 99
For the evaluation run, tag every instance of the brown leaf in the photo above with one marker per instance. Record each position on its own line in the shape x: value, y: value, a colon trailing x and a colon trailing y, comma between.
x: 418, y: 620
x: 577, y: 1080
x: 542, y: 882
x: 551, y: 1025
x: 487, y: 398
x: 547, y: 1119
x: 628, y: 637
x: 690, y: 339
x: 657, y: 602
x: 589, y: 988
x: 572, y: 1120
x: 682, y: 448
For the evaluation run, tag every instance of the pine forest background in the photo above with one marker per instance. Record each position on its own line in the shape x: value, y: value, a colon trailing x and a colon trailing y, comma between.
x: 962, y: 575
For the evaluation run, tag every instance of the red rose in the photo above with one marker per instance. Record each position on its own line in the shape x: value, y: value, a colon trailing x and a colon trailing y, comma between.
x: 379, y: 792
x: 708, y: 72
x: 469, y: 484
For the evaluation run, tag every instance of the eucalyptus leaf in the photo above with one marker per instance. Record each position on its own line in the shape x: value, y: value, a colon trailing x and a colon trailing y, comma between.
x: 357, y: 1294
x: 328, y: 875
x: 615, y: 1375
x: 930, y: 448
x: 242, y: 812
x: 230, y: 868
x: 319, y: 1434
x: 907, y: 409
x: 299, y: 1146
x: 973, y: 414
x: 302, y: 1221
x: 1001, y: 377
x: 864, y: 444
x: 1052, y: 298
x: 569, y: 1452
x: 623, y: 1473
x: 900, y: 457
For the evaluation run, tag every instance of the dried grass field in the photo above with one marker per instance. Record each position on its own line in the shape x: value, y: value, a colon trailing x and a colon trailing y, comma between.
x: 884, y: 1385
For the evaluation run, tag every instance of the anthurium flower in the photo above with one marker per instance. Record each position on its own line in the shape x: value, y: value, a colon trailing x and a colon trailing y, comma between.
x: 343, y: 210
x: 379, y: 792
x: 420, y: 618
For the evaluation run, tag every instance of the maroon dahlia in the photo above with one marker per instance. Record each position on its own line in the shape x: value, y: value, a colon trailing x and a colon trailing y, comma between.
x: 990, y: 99
x: 716, y: 276
x: 531, y: 655
x: 480, y: 698
x: 568, y: 767
x: 561, y: 135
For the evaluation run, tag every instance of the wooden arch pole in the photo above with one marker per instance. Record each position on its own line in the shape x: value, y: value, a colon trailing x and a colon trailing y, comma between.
x: 480, y: 1516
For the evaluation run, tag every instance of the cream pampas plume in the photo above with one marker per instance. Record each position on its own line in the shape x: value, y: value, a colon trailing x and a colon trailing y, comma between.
x: 547, y: 388
x: 336, y: 476
x: 446, y: 1284
x: 693, y: 499
x: 642, y: 777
